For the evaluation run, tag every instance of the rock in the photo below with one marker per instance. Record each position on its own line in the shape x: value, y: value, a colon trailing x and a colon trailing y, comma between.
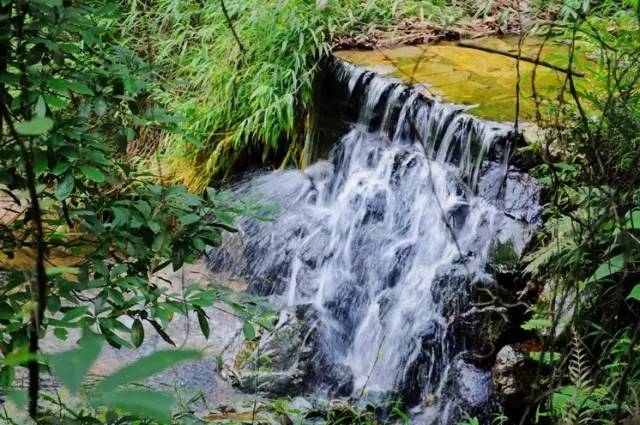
x: 283, y: 360
x: 301, y: 404
x: 466, y: 390
x: 513, y: 375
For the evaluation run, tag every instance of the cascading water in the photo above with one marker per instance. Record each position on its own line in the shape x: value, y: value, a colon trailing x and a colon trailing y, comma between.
x: 387, y: 240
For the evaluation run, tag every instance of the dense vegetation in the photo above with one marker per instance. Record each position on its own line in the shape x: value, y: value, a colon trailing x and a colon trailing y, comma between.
x: 203, y: 86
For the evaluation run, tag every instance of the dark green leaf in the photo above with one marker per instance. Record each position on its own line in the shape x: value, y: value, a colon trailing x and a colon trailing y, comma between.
x: 92, y: 173
x: 137, y: 333
x: 203, y: 321
x: 60, y: 168
x: 248, y: 331
x: 65, y: 187
x: 144, y: 208
x: 61, y: 333
x: 606, y: 269
x: 161, y: 332
x: 189, y: 219
x: 35, y: 127
x: 635, y: 293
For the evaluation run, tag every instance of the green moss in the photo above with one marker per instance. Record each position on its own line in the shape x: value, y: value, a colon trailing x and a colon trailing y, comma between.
x: 487, y: 81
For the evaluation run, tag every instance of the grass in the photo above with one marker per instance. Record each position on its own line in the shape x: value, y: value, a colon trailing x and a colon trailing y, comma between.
x: 253, y: 96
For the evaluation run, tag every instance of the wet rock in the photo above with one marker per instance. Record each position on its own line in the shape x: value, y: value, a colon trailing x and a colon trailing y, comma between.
x: 339, y: 377
x: 513, y: 375
x: 283, y: 360
x: 301, y: 404
x: 517, y: 194
x: 466, y: 391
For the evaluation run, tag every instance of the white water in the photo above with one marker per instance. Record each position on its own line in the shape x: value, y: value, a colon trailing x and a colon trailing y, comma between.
x: 370, y: 237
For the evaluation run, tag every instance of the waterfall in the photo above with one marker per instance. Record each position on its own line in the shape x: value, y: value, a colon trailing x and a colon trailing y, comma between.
x: 387, y: 239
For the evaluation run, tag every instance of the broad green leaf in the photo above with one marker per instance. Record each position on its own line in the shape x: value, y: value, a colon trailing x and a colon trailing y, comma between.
x: 74, y: 313
x: 248, y: 331
x: 61, y: 333
x: 18, y: 397
x: 152, y: 404
x: 71, y: 367
x: 41, y: 163
x: 55, y: 102
x: 7, y: 374
x: 144, y: 208
x: 60, y: 167
x: 632, y: 220
x: 120, y: 216
x: 35, y: 127
x: 635, y: 293
x: 137, y: 333
x: 606, y: 269
x: 189, y: 219
x: 146, y: 367
x: 65, y: 187
x: 92, y: 173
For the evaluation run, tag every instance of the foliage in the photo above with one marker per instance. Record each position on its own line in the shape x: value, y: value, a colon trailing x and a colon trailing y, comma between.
x: 589, y: 251
x: 92, y: 227
x: 250, y: 95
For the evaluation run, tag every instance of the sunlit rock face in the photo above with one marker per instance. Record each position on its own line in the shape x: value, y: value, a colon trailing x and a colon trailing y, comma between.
x: 386, y: 245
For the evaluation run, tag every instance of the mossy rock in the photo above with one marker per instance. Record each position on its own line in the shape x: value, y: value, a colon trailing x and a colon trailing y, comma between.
x: 484, y: 80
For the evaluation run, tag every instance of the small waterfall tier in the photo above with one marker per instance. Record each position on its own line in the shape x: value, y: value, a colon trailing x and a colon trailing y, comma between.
x: 387, y: 251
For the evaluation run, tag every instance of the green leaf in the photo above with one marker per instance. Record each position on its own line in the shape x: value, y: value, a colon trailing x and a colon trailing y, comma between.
x: 55, y: 102
x: 18, y: 397
x: 120, y: 216
x: 152, y: 404
x: 137, y: 333
x: 41, y: 107
x: 35, y: 127
x: 635, y: 293
x: 146, y: 367
x: 248, y: 331
x: 7, y: 374
x: 61, y: 333
x: 58, y: 270
x: 203, y: 321
x: 41, y: 163
x: 74, y: 313
x: 70, y: 367
x: 632, y: 220
x: 92, y: 173
x: 144, y: 208
x: 60, y: 167
x: 189, y: 219
x: 532, y: 324
x: 65, y: 187
x: 612, y: 266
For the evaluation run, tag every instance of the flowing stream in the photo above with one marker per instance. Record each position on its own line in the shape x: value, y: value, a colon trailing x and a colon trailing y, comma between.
x: 387, y: 239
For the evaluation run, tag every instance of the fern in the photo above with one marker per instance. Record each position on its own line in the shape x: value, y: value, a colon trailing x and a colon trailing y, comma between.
x: 574, y: 404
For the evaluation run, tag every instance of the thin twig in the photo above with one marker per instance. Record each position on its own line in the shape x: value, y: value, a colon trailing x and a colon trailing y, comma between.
x: 522, y: 58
